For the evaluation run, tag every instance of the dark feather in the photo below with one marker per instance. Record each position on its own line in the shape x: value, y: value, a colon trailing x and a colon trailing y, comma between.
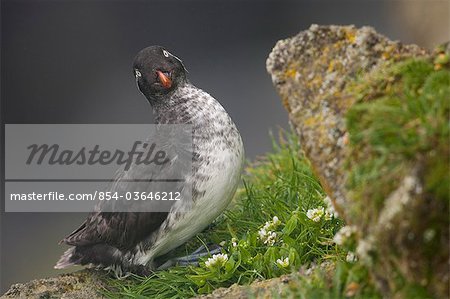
x: 124, y: 230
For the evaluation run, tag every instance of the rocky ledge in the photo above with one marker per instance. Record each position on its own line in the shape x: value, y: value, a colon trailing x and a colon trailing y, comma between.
x: 372, y: 117
x: 78, y: 285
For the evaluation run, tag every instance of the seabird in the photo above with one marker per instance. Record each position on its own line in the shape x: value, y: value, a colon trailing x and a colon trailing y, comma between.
x: 129, y: 242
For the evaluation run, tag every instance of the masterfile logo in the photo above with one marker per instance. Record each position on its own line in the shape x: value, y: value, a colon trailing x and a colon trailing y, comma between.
x: 53, y: 154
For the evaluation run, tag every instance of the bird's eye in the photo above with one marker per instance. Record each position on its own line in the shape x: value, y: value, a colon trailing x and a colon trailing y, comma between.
x: 165, y: 53
x: 137, y: 73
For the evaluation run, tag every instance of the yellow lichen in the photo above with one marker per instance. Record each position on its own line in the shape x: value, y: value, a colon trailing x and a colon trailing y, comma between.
x: 291, y: 73
x: 350, y: 35
x: 330, y: 66
x: 312, y: 121
x: 337, y: 45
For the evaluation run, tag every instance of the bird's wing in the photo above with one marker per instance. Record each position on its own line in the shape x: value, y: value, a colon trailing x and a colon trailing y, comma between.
x: 123, y: 229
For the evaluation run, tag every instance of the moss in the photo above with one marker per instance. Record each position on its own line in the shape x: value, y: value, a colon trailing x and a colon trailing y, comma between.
x: 401, y: 116
x: 333, y: 281
x: 398, y: 126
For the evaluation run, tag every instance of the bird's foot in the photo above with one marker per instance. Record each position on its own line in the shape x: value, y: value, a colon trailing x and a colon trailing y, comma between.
x: 123, y: 272
x: 192, y: 259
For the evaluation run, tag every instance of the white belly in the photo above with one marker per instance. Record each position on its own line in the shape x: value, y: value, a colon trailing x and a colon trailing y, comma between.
x: 219, y: 190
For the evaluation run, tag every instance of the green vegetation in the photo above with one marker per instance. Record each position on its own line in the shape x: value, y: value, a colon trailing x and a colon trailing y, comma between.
x: 344, y: 280
x: 281, y: 222
x: 400, y: 127
x: 402, y: 117
x: 257, y: 245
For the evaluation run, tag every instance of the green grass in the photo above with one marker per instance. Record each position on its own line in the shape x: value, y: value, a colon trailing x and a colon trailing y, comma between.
x: 280, y: 184
x: 399, y: 127
x: 401, y: 117
x: 401, y: 121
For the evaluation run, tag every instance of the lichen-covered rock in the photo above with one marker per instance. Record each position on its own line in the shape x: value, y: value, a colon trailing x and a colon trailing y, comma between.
x: 374, y: 124
x: 269, y: 288
x: 78, y: 285
x: 310, y: 72
x: 285, y: 286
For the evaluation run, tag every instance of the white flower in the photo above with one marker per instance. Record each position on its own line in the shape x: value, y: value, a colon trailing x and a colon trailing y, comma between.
x: 216, y: 261
x: 262, y: 233
x: 330, y: 208
x: 267, y: 234
x: 276, y: 221
x: 268, y: 237
x: 351, y: 257
x: 270, y: 225
x: 234, y: 242
x: 344, y: 234
x: 271, y: 238
x: 315, y: 214
x: 283, y: 263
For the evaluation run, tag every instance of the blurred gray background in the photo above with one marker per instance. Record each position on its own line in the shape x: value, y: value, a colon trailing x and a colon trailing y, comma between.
x: 70, y: 62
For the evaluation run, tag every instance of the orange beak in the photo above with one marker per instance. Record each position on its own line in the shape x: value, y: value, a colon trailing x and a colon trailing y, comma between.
x: 165, y: 81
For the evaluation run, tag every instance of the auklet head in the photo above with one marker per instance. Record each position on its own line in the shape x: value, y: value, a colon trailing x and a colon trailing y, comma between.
x: 158, y: 72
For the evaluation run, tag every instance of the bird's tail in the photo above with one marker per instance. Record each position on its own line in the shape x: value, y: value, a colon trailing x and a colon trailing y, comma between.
x: 66, y: 259
x: 96, y: 255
